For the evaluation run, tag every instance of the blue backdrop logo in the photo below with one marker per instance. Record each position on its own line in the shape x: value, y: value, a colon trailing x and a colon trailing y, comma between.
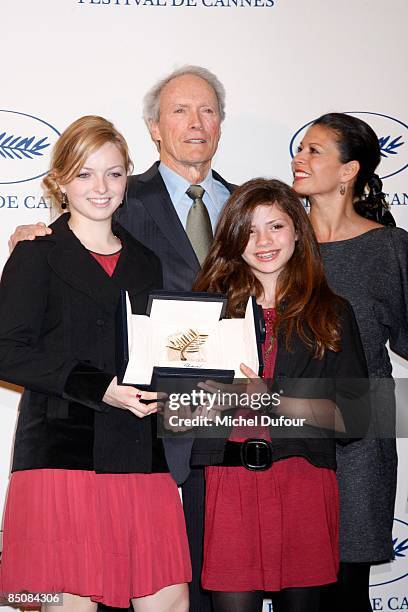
x: 25, y: 144
x: 392, y: 136
x: 397, y: 569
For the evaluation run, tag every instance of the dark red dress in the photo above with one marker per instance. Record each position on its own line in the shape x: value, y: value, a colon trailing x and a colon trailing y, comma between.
x: 273, y: 529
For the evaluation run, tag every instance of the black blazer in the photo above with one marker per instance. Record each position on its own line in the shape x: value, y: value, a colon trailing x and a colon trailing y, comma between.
x: 149, y: 215
x: 57, y: 339
x: 341, y: 376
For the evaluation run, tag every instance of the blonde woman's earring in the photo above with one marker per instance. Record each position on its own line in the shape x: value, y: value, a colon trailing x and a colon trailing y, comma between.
x: 342, y: 189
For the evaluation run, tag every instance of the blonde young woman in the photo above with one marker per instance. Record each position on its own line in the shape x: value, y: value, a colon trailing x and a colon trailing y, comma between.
x: 92, y: 511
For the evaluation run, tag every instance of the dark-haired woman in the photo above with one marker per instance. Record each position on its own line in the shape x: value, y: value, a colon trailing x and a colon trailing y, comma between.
x: 276, y: 529
x: 367, y: 263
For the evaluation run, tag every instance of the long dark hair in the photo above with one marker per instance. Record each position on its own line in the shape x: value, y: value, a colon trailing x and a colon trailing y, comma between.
x: 356, y: 140
x: 304, y: 302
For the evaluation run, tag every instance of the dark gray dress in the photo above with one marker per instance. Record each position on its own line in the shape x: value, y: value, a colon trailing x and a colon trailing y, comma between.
x: 371, y: 271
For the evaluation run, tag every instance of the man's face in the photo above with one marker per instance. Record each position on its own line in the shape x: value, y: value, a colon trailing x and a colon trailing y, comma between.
x: 189, y: 126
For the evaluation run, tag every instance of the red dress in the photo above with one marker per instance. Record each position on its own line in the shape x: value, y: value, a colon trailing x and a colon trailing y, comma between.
x: 111, y: 537
x: 273, y: 529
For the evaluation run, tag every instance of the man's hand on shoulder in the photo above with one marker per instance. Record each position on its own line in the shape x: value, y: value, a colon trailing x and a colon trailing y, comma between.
x: 28, y: 232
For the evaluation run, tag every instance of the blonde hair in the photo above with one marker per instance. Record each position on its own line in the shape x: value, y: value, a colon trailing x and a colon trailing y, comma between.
x: 80, y: 139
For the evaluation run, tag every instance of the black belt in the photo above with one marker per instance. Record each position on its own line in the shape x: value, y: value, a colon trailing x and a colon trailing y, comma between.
x: 253, y: 454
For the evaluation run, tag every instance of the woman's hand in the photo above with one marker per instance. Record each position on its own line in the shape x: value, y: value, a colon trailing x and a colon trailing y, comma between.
x: 318, y: 412
x: 214, y: 386
x: 235, y: 394
x: 247, y: 372
x: 129, y: 398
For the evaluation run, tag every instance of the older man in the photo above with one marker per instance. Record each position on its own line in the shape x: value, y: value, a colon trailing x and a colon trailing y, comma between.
x: 172, y: 208
x: 184, y: 113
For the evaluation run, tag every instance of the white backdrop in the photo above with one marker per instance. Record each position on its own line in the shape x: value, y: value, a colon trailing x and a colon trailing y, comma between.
x: 283, y: 62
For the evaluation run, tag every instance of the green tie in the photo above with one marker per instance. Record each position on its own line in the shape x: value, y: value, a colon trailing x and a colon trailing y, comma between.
x: 198, y: 226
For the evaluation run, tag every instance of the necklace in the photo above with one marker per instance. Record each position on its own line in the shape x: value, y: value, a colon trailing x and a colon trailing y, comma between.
x: 269, y: 316
x: 269, y: 348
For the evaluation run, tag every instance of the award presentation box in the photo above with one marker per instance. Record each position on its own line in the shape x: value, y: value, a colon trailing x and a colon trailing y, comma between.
x: 185, y: 335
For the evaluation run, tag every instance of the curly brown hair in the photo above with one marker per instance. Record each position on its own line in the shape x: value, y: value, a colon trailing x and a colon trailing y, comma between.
x: 304, y: 302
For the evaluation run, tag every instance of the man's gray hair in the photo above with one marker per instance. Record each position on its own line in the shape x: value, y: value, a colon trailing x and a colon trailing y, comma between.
x: 151, y: 101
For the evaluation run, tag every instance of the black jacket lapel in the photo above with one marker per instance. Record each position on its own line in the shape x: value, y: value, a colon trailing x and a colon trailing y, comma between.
x: 71, y: 261
x: 155, y: 198
x: 229, y: 186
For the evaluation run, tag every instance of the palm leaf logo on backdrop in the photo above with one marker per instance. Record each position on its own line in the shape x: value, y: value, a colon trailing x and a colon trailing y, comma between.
x: 400, y: 547
x: 20, y: 147
x: 388, y: 147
